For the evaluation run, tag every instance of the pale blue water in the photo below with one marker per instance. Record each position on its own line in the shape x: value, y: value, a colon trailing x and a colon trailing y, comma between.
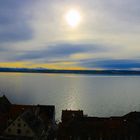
x: 96, y: 95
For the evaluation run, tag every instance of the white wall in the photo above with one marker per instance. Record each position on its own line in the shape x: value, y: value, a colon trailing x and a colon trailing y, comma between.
x: 19, y: 128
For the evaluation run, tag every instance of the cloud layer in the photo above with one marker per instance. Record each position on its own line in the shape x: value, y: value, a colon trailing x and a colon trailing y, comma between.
x: 35, y: 32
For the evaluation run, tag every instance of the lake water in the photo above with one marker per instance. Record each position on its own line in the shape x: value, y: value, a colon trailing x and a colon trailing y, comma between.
x: 96, y: 95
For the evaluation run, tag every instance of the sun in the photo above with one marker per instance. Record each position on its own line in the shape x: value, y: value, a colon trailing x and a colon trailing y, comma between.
x: 73, y: 18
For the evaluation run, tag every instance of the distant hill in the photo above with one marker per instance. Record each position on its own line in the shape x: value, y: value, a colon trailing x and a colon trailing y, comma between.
x: 93, y: 72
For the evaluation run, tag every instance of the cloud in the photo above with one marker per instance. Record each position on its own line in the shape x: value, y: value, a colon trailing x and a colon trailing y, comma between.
x: 113, y: 17
x: 18, y: 32
x: 111, y: 64
x: 13, y: 22
x: 59, y: 51
x: 125, y: 10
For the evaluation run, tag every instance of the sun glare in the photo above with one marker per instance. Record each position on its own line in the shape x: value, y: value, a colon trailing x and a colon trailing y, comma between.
x: 73, y: 18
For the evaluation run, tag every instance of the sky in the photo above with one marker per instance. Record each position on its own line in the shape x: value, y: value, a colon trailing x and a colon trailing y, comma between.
x: 36, y: 34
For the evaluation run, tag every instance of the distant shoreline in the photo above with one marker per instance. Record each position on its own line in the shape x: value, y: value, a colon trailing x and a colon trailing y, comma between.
x: 56, y: 71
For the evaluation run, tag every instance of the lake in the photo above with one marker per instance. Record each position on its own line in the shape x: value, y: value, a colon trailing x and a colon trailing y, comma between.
x: 96, y: 95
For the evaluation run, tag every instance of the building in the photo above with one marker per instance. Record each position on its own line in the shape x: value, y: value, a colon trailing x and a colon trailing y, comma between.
x: 76, y: 126
x: 68, y: 115
x: 26, y: 121
x: 27, y: 125
x: 4, y: 110
x: 46, y: 112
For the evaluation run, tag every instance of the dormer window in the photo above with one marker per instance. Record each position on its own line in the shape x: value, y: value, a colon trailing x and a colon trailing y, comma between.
x: 9, y: 130
x: 73, y: 115
x: 27, y: 131
x: 19, y: 124
x: 18, y: 131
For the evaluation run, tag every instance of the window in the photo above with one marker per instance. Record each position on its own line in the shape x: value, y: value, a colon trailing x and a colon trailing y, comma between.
x: 89, y: 138
x: 18, y: 124
x: 27, y: 131
x: 78, y: 138
x: 18, y: 131
x: 9, y: 130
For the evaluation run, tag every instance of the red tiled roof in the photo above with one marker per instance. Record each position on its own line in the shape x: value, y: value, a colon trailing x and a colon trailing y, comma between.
x: 16, y: 110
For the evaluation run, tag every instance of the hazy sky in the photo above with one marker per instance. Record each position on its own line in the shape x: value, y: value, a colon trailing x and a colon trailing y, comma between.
x: 35, y: 33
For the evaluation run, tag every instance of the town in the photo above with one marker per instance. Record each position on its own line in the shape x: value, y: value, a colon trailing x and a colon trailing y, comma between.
x: 37, y: 122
